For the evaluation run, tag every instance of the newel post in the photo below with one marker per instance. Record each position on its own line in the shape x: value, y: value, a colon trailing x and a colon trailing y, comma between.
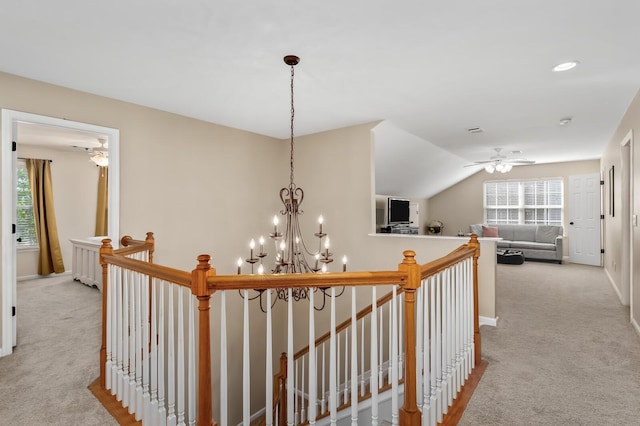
x: 409, y: 413
x: 106, y: 249
x: 474, y: 243
x: 200, y: 290
x: 150, y: 240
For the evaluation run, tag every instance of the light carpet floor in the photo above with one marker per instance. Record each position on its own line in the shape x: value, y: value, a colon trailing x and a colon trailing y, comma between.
x: 563, y: 353
x: 44, y: 381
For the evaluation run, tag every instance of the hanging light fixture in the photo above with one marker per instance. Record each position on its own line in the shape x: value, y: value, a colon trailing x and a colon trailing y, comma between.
x: 291, y: 249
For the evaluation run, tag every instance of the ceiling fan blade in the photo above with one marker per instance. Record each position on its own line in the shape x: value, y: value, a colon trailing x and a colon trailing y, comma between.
x: 518, y: 161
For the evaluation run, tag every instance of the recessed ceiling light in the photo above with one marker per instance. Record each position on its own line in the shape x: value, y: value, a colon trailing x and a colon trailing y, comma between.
x: 565, y: 66
x: 565, y: 121
x: 475, y: 130
x: 516, y: 152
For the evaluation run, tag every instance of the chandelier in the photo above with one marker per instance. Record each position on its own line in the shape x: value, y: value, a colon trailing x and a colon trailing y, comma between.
x: 290, y: 247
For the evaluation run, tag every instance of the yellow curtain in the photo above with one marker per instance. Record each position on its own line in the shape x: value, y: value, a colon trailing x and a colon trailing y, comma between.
x: 102, y: 209
x: 45, y: 217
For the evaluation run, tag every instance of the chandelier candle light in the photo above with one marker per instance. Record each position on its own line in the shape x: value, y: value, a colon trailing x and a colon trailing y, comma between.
x: 291, y: 250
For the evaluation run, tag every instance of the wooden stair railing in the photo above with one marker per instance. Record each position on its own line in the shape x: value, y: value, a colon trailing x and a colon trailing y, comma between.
x: 203, y: 282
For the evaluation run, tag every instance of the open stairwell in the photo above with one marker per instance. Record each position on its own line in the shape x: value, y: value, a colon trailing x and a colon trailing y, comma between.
x: 409, y: 358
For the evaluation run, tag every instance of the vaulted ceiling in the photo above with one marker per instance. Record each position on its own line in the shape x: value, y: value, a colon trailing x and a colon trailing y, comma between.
x: 429, y: 70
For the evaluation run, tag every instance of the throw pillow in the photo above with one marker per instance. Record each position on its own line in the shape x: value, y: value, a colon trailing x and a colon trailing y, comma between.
x: 489, y: 231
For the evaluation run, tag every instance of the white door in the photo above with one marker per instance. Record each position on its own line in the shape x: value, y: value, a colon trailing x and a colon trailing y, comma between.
x: 584, y: 219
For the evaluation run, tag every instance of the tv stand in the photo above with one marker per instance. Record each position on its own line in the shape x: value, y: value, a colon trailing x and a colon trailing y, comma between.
x: 400, y: 229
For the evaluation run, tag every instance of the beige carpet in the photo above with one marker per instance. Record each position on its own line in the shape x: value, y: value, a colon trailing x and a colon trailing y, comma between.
x: 563, y: 353
x: 44, y: 381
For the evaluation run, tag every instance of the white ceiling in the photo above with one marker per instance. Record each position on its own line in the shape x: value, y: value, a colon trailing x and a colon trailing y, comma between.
x: 431, y: 69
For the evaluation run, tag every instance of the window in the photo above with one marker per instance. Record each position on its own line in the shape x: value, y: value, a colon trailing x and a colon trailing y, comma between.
x: 531, y: 201
x: 26, y: 225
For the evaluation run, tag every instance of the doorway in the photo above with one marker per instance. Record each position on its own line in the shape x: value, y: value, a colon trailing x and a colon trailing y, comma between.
x: 10, y: 119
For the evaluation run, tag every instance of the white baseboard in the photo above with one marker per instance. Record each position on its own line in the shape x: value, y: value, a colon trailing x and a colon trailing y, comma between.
x: 35, y: 277
x: 635, y: 325
x: 613, y: 284
x: 493, y: 322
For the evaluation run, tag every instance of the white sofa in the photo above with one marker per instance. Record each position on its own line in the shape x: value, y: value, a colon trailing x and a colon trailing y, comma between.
x: 535, y: 241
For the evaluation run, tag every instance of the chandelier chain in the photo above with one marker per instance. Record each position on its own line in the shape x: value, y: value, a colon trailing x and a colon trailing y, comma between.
x: 293, y: 113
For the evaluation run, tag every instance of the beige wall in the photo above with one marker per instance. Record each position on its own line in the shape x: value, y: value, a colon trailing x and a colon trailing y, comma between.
x: 75, y: 183
x: 462, y: 204
x: 614, y: 262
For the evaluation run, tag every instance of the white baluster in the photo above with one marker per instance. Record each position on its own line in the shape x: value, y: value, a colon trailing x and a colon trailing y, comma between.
x: 373, y: 379
x: 362, y: 381
x: 180, y: 360
x: 426, y: 379
x: 393, y: 337
x: 191, y: 364
x: 153, y: 405
x: 449, y: 336
x: 313, y: 372
x: 122, y: 337
x: 296, y: 396
x: 438, y: 351
x: 162, y: 410
x: 303, y: 412
x: 323, y: 406
x: 338, y: 370
x: 108, y: 295
x: 171, y: 372
x: 223, y: 359
x: 128, y: 399
x: 401, y: 336
x: 290, y: 361
x: 130, y: 393
x: 390, y: 344
x: 246, y: 373
x: 380, y: 346
x: 458, y: 322
x: 115, y: 288
x: 146, y: 397
x: 138, y: 348
x: 418, y: 348
x: 268, y: 415
x: 332, y: 361
x: 354, y: 359
x: 346, y: 366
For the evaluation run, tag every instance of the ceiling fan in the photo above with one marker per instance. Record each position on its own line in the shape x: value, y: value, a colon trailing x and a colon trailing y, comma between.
x: 500, y: 163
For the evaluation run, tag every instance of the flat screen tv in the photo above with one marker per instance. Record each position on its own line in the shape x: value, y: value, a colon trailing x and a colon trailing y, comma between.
x: 398, y: 211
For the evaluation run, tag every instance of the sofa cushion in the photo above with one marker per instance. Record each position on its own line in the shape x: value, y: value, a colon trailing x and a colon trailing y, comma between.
x: 504, y: 244
x: 476, y: 229
x: 547, y: 233
x: 489, y: 231
x: 505, y: 232
x: 524, y: 233
x: 532, y: 245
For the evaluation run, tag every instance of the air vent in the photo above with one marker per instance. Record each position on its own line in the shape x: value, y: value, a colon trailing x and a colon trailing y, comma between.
x: 475, y: 130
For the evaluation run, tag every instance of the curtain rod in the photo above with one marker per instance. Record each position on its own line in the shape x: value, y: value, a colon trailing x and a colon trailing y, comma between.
x: 43, y: 159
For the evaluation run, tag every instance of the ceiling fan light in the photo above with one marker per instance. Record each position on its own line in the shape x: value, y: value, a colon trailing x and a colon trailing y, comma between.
x: 100, y: 160
x: 500, y: 167
x: 506, y: 168
x: 489, y: 168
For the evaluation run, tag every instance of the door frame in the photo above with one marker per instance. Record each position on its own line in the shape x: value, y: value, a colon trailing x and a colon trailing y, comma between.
x: 7, y: 173
x: 627, y: 227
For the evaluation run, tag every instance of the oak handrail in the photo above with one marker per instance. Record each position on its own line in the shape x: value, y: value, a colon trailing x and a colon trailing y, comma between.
x: 308, y: 280
x: 165, y: 273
